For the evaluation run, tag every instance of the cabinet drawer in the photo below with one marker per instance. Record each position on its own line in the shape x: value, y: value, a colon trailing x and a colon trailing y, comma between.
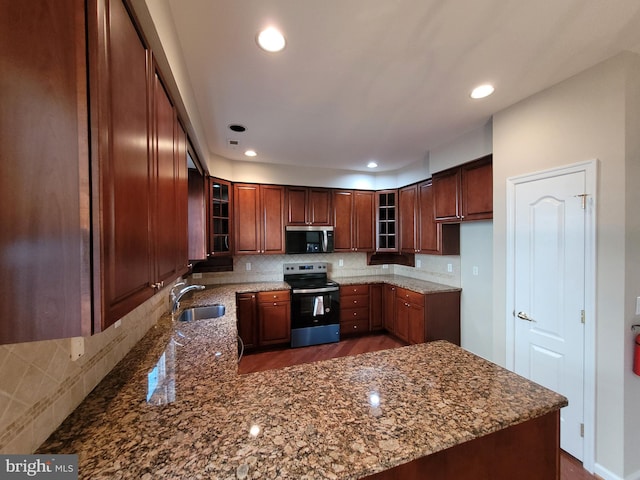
x: 354, y: 326
x: 354, y: 301
x: 273, y: 296
x: 410, y: 296
x: 357, y: 313
x: 349, y: 290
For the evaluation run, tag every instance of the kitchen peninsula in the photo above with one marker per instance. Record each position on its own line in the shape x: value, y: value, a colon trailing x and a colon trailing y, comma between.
x: 176, y: 407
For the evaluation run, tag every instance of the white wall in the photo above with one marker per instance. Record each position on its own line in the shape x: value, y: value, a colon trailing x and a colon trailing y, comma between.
x: 476, y: 308
x: 632, y: 274
x: 580, y: 119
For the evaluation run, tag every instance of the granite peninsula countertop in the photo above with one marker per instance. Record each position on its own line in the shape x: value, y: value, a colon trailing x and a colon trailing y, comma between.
x: 175, y: 407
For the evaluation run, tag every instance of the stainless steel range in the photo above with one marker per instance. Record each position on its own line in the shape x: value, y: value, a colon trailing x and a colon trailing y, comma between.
x: 315, y: 304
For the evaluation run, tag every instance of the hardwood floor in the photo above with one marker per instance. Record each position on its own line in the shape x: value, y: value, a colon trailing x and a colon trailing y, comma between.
x: 293, y: 356
x: 570, y: 468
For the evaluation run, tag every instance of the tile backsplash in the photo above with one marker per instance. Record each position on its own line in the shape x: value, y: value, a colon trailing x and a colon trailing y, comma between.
x: 41, y: 385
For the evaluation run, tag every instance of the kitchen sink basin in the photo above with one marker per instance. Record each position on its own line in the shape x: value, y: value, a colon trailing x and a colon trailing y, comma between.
x: 198, y: 313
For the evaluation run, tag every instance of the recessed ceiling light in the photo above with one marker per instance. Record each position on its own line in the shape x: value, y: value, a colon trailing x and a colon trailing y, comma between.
x: 372, y: 164
x: 482, y: 91
x: 271, y: 40
x: 236, y: 127
x: 250, y: 153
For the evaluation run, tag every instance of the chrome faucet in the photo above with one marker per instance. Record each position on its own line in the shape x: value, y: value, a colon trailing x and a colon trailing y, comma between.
x: 175, y: 297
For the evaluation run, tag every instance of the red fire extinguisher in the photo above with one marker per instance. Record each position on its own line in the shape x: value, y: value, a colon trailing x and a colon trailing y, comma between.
x: 636, y: 354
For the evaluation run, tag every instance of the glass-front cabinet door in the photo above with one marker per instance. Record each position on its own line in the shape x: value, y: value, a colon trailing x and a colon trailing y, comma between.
x: 220, y: 220
x: 386, y: 215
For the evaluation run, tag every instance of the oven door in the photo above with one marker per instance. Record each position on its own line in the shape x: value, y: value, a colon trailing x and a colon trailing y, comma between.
x: 315, y: 307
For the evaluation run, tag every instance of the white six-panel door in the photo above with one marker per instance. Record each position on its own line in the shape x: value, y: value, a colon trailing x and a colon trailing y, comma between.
x: 549, y: 293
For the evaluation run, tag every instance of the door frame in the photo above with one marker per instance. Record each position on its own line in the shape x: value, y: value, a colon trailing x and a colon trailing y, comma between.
x: 590, y: 168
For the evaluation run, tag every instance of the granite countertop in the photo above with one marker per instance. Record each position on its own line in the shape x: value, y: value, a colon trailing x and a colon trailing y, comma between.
x: 414, y: 284
x: 175, y: 407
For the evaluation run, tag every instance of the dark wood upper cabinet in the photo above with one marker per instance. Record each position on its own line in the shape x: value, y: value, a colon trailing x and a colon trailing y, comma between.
x: 408, y: 218
x: 465, y: 192
x: 221, y: 225
x: 107, y: 223
x: 45, y: 274
x: 258, y: 218
x: 197, y: 215
x: 446, y: 197
x: 477, y: 189
x: 386, y: 221
x: 353, y: 220
x: 122, y: 108
x: 428, y: 230
x: 308, y: 206
x: 169, y: 228
x: 364, y: 220
x: 342, y: 220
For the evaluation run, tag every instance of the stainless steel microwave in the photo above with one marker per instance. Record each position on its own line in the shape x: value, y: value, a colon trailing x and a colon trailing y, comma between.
x: 309, y: 239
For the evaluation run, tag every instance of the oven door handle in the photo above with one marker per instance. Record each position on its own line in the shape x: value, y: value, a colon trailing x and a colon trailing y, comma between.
x: 315, y: 290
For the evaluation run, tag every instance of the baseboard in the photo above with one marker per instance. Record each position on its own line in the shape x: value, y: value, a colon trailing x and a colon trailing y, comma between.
x: 605, y: 474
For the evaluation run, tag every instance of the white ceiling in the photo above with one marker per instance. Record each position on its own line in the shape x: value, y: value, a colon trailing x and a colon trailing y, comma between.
x: 383, y: 80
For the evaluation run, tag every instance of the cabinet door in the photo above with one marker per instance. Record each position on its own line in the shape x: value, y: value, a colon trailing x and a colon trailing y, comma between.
x: 275, y: 323
x: 386, y: 218
x: 407, y: 216
x: 477, y: 189
x: 363, y: 221
x: 428, y: 232
x: 247, y: 218
x: 443, y: 317
x: 319, y: 206
x: 401, y: 329
x: 415, y: 314
x: 272, y: 204
x: 247, y: 317
x: 389, y: 305
x: 220, y: 226
x: 342, y: 220
x: 44, y: 172
x: 121, y: 113
x: 296, y: 206
x: 375, y: 307
x: 165, y: 231
x: 197, y: 215
x: 446, y: 195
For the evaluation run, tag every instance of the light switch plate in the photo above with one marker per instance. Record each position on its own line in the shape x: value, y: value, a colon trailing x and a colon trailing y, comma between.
x: 637, y: 305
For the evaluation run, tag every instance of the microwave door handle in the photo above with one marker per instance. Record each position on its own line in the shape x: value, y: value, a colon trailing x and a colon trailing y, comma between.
x: 325, y: 241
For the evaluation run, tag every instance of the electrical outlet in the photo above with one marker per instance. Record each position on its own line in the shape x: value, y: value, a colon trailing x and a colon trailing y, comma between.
x: 418, y: 263
x: 637, y: 305
x: 197, y: 275
x: 385, y: 266
x: 117, y: 324
x: 449, y: 267
x: 76, y: 348
x: 475, y: 271
x: 341, y: 263
x: 247, y: 266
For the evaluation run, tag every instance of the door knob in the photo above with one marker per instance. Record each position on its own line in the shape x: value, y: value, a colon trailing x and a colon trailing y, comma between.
x: 526, y: 317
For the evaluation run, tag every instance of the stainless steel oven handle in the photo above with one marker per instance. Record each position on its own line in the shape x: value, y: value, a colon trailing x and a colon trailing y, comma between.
x: 315, y: 290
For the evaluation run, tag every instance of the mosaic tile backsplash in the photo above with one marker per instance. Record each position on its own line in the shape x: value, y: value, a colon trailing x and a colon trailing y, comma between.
x: 41, y: 385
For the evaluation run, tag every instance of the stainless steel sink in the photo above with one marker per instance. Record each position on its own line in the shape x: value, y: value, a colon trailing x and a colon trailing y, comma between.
x: 199, y: 313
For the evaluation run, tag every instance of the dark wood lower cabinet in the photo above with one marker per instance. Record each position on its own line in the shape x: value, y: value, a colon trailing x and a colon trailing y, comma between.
x: 527, y: 451
x: 422, y: 318
x: 274, y: 318
x: 247, y: 316
x: 376, y: 312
